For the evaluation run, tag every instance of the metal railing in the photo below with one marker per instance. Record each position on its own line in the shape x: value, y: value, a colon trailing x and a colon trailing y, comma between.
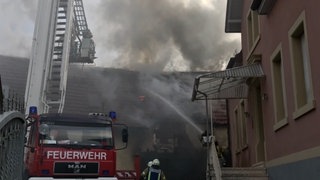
x: 12, y: 133
x: 10, y: 101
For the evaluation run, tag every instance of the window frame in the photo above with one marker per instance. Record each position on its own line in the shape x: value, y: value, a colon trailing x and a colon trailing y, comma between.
x: 301, y: 102
x: 253, y: 31
x: 241, y: 126
x: 279, y: 89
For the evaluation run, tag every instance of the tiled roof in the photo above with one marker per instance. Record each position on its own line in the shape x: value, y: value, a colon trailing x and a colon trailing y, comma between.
x: 13, y: 72
x: 95, y: 89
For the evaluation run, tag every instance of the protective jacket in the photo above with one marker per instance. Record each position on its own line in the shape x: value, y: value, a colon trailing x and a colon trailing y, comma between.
x: 155, y: 174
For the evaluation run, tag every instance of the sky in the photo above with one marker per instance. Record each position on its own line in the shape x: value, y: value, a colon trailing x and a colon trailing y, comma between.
x: 142, y: 35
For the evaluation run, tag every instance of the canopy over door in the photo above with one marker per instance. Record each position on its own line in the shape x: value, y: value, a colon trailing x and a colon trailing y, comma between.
x: 227, y: 84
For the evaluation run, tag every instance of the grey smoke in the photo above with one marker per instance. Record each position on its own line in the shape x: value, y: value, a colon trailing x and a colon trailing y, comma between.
x: 17, y: 19
x: 148, y: 34
x: 132, y: 94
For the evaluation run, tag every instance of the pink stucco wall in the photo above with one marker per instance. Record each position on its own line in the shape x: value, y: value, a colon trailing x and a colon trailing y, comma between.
x: 302, y: 133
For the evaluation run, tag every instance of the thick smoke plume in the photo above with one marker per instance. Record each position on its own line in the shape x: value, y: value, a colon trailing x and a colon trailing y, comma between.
x: 152, y: 35
x: 17, y: 24
x: 139, y: 97
x: 164, y: 35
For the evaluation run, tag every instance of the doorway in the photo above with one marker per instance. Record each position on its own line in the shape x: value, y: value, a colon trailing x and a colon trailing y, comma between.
x: 258, y: 123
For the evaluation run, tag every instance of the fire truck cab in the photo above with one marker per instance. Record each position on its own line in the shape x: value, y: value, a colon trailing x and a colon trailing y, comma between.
x: 71, y: 146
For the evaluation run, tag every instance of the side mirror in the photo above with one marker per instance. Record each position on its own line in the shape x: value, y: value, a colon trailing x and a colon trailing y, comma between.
x: 125, y: 135
x: 121, y: 134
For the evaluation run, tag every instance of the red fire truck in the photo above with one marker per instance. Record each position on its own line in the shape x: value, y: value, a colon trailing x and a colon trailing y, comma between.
x: 59, y: 145
x: 72, y: 146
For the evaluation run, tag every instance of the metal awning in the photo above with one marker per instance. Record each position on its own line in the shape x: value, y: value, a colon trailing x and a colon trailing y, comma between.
x: 227, y: 84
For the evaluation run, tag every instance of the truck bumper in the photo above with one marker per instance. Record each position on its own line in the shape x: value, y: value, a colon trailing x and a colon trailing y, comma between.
x: 51, y: 178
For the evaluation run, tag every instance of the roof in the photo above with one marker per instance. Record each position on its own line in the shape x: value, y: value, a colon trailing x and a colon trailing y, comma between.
x: 227, y: 84
x: 98, y: 89
x: 263, y: 7
x: 233, y: 16
x: 14, y: 72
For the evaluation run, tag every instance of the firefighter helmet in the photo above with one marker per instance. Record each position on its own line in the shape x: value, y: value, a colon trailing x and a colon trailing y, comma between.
x: 156, y: 162
x: 149, y: 163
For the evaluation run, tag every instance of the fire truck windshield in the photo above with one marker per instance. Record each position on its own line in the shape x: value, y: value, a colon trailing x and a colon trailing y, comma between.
x: 77, y: 135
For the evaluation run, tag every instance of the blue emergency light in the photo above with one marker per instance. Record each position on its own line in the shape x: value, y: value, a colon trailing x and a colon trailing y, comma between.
x: 112, y: 115
x: 33, y: 110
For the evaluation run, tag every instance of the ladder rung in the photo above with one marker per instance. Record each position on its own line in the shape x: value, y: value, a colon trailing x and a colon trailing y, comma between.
x: 61, y: 23
x: 60, y: 29
x: 57, y: 48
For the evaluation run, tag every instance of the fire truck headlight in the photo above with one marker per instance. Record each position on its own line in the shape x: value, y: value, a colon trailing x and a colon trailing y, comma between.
x: 45, y: 171
x: 105, y: 172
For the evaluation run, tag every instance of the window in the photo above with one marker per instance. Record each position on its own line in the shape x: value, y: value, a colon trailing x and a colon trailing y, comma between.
x: 78, y: 135
x: 253, y: 30
x: 241, y: 126
x: 279, y: 98
x: 302, y: 82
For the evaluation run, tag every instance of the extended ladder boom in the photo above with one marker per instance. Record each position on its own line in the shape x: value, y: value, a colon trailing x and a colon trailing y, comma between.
x: 61, y: 36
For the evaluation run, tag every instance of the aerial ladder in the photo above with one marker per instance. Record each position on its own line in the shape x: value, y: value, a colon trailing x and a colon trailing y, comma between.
x: 61, y: 36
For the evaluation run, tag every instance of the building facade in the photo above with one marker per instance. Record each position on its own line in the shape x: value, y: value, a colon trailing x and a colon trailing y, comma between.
x: 277, y: 124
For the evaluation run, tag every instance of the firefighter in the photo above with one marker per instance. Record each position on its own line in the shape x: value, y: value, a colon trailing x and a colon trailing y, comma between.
x: 145, y: 171
x: 154, y: 172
